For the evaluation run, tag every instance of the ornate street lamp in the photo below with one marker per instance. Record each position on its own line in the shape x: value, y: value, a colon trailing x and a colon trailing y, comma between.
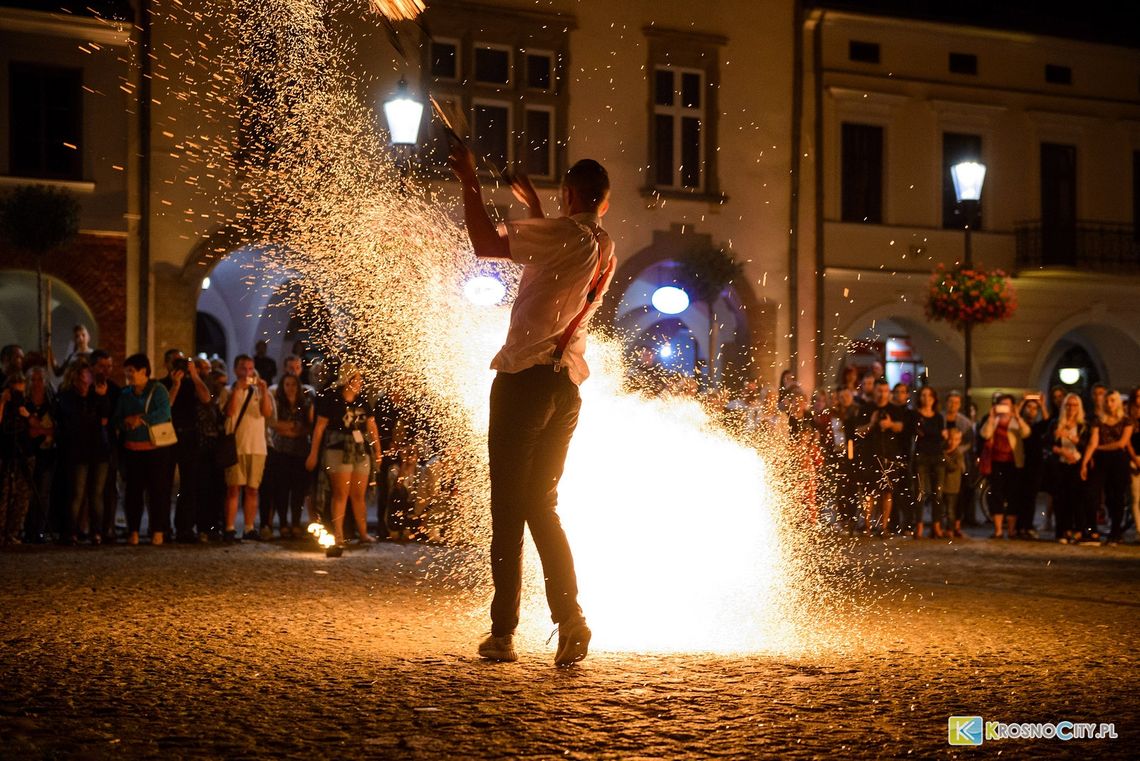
x: 403, y: 114
x: 968, y: 178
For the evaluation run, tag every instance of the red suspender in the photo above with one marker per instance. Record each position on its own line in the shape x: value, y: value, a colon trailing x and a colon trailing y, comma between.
x: 596, y: 282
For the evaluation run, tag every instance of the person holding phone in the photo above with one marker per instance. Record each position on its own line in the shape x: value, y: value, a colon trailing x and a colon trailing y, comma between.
x: 1007, y: 432
x: 247, y: 406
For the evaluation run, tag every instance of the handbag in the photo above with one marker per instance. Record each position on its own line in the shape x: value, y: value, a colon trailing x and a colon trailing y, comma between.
x: 226, y: 455
x: 161, y: 434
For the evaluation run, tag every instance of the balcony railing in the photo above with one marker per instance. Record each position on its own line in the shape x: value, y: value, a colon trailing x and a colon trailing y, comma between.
x: 1095, y: 246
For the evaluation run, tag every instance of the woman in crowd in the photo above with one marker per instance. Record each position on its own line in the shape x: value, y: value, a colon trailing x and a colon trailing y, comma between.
x: 1036, y: 420
x: 929, y: 462
x: 16, y: 461
x: 343, y: 414
x: 1004, y: 433
x: 84, y: 450
x: 211, y: 426
x: 143, y: 403
x: 288, y: 445
x: 1134, y: 456
x: 1068, y: 439
x: 42, y: 417
x: 1107, y: 454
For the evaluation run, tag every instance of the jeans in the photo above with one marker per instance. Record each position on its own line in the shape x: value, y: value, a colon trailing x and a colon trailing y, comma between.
x: 533, y: 416
x: 87, y: 483
x: 931, y: 472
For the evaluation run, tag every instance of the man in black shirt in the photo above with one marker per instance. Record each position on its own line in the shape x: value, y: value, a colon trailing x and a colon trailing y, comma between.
x: 104, y: 385
x: 880, y: 449
x: 187, y: 390
x: 264, y: 364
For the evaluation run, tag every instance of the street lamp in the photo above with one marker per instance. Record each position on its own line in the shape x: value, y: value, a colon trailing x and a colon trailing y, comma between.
x: 403, y: 115
x: 968, y: 178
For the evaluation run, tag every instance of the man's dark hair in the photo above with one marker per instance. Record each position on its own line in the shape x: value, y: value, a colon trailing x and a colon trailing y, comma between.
x: 882, y: 382
x: 166, y: 355
x: 241, y: 358
x: 7, y: 352
x: 900, y: 384
x: 590, y: 181
x: 1095, y: 386
x: 138, y: 362
x: 99, y: 354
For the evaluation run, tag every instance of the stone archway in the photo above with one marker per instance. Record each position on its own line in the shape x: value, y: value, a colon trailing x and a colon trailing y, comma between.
x: 939, y: 344
x: 18, y: 305
x: 746, y: 328
x: 1113, y: 347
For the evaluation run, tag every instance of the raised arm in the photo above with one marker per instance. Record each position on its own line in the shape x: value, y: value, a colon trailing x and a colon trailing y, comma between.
x: 485, y: 239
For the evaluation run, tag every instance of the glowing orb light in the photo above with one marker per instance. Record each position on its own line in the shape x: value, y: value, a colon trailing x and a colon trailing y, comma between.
x: 666, y: 351
x: 669, y: 299
x: 484, y: 290
x: 1070, y: 375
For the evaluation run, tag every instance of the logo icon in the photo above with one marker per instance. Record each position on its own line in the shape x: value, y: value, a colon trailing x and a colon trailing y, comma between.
x: 965, y: 730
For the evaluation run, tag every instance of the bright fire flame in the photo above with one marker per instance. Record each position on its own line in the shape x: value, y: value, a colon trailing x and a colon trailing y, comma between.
x: 672, y: 523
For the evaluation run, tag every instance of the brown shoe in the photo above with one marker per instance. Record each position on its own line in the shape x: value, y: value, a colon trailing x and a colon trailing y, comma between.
x: 573, y: 641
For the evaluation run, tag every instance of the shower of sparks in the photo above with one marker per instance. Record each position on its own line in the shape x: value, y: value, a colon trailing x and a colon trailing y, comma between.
x: 685, y: 538
x: 398, y: 10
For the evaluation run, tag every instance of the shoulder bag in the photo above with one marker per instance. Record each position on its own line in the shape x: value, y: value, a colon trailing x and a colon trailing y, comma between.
x: 226, y: 455
x: 161, y: 434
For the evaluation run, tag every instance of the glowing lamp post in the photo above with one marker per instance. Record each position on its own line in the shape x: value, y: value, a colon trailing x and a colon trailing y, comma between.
x: 968, y: 178
x: 403, y: 115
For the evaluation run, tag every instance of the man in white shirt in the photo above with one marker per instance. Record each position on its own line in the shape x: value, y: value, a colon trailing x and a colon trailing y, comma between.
x: 567, y: 266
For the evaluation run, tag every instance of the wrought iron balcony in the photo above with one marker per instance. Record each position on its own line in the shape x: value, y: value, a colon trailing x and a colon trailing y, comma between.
x: 1095, y: 246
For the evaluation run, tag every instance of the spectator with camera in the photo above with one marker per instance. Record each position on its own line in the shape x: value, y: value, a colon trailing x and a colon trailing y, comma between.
x: 1004, y: 433
x: 247, y: 406
x: 188, y: 391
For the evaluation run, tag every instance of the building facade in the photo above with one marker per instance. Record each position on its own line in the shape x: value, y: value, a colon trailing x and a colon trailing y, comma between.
x: 810, y: 144
x: 890, y: 105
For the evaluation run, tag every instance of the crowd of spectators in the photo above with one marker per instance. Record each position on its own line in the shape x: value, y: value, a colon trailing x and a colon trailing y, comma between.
x: 81, y: 444
x: 882, y: 461
x: 193, y: 449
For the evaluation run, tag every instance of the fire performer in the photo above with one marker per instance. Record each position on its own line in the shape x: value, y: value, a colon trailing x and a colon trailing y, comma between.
x: 567, y: 266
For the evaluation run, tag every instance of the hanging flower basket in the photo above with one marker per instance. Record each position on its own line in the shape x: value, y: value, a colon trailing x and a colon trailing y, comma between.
x: 970, y: 296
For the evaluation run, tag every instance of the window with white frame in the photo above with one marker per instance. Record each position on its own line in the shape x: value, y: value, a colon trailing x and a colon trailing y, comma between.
x: 678, y: 116
x: 505, y: 71
x: 683, y: 77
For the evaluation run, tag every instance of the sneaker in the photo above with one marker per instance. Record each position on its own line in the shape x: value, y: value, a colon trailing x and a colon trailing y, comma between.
x: 573, y: 641
x: 230, y: 537
x: 500, y: 648
x: 266, y: 533
x: 251, y: 535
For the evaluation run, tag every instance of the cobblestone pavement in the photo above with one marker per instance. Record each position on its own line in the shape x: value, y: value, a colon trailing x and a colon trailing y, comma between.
x: 270, y: 650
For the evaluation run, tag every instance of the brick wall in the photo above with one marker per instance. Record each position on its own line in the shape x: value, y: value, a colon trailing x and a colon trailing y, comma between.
x: 95, y: 266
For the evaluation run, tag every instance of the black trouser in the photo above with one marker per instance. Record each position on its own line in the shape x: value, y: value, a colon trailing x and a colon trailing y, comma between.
x: 1004, y: 480
x: 212, y: 487
x: 1068, y: 498
x: 147, y: 472
x: 185, y: 456
x: 533, y: 416
x: 1026, y: 498
x: 1110, y: 470
x: 111, y: 492
x: 286, y: 484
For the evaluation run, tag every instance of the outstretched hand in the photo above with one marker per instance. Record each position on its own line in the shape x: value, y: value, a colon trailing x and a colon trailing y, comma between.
x: 462, y: 162
x: 524, y: 191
